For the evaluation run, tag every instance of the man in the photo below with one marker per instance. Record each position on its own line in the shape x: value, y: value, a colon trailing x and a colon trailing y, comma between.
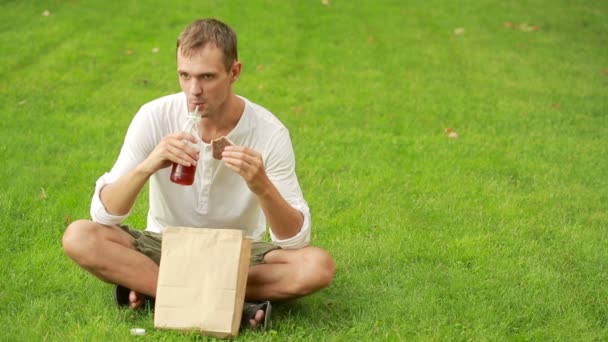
x: 254, y: 184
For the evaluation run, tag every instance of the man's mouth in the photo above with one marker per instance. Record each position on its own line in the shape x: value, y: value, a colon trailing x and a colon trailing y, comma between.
x: 200, y: 105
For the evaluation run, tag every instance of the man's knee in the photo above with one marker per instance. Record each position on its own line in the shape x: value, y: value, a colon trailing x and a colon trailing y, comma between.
x: 79, y: 239
x: 326, y: 267
x: 318, y: 271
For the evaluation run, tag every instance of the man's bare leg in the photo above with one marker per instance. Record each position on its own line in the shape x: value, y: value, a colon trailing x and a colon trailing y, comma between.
x: 288, y: 274
x: 108, y: 253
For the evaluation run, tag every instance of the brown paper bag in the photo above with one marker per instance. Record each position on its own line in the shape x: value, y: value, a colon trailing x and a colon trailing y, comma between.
x: 202, y: 280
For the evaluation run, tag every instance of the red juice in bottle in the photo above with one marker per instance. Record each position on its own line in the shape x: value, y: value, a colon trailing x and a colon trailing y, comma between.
x: 183, y: 175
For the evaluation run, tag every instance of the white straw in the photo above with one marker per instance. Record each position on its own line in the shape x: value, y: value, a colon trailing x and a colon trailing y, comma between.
x: 192, y: 120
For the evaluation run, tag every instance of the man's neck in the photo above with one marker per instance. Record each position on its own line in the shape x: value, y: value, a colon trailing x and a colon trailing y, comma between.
x: 224, y: 122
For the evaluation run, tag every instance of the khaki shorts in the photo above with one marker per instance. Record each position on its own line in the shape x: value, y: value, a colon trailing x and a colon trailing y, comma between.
x: 149, y: 243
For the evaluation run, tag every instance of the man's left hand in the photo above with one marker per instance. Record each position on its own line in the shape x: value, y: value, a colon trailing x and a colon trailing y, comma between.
x: 249, y: 164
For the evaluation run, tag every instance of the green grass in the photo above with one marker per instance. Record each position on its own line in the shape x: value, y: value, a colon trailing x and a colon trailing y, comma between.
x: 498, y: 235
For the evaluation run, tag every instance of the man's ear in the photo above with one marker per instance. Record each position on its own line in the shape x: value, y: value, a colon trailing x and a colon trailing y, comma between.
x: 235, y: 71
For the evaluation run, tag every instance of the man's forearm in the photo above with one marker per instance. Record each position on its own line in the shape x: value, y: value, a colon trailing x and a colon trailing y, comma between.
x: 285, y: 220
x: 118, y: 198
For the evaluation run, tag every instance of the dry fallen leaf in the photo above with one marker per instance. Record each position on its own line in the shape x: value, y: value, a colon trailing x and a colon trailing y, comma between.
x: 371, y: 40
x: 67, y: 220
x: 46, y: 13
x: 555, y: 106
x: 297, y: 109
x: 604, y: 72
x: 129, y: 52
x: 42, y: 195
x: 459, y: 30
x: 451, y: 133
x: 325, y: 2
x: 525, y: 27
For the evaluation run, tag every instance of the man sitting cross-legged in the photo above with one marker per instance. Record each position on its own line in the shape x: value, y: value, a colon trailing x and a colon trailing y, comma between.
x: 252, y: 186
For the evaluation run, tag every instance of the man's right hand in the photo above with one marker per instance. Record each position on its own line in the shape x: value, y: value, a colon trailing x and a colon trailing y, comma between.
x: 172, y: 148
x: 119, y: 197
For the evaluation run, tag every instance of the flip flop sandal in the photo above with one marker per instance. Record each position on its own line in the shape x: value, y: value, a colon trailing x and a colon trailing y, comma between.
x: 121, y: 296
x: 249, y: 311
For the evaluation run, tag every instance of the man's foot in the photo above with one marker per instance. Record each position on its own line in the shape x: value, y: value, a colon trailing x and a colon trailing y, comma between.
x: 127, y: 297
x: 136, y: 300
x: 258, y: 320
x: 256, y: 316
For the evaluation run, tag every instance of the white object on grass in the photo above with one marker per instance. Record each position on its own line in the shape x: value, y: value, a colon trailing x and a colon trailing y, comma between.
x: 138, y: 331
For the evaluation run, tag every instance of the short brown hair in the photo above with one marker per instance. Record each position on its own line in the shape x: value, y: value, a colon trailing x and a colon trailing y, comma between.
x: 204, y: 31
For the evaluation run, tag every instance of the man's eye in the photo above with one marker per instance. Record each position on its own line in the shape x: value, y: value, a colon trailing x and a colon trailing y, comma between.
x: 207, y: 76
x: 184, y: 76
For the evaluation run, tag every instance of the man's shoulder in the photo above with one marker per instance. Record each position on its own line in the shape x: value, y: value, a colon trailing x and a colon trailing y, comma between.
x: 164, y: 109
x: 263, y: 116
x: 172, y: 100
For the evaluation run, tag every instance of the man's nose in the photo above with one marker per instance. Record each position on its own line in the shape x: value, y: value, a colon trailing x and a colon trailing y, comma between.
x: 196, y: 87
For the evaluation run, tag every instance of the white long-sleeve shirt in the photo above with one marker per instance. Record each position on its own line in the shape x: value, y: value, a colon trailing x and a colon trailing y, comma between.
x: 219, y: 198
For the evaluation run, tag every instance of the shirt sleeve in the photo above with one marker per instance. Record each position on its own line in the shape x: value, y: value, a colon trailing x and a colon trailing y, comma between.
x: 300, y: 240
x: 99, y: 213
x: 138, y: 144
x: 281, y: 169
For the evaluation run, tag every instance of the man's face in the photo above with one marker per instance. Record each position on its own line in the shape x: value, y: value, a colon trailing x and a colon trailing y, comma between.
x: 204, y: 79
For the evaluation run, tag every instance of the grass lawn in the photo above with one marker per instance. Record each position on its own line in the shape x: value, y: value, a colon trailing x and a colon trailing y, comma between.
x: 499, y: 234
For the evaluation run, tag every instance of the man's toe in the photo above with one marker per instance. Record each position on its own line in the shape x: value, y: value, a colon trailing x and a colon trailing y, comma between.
x: 259, y: 316
x: 135, y: 300
x: 256, y: 315
x: 258, y: 319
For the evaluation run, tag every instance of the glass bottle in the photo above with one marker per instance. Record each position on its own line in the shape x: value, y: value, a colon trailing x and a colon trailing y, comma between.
x: 180, y: 174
